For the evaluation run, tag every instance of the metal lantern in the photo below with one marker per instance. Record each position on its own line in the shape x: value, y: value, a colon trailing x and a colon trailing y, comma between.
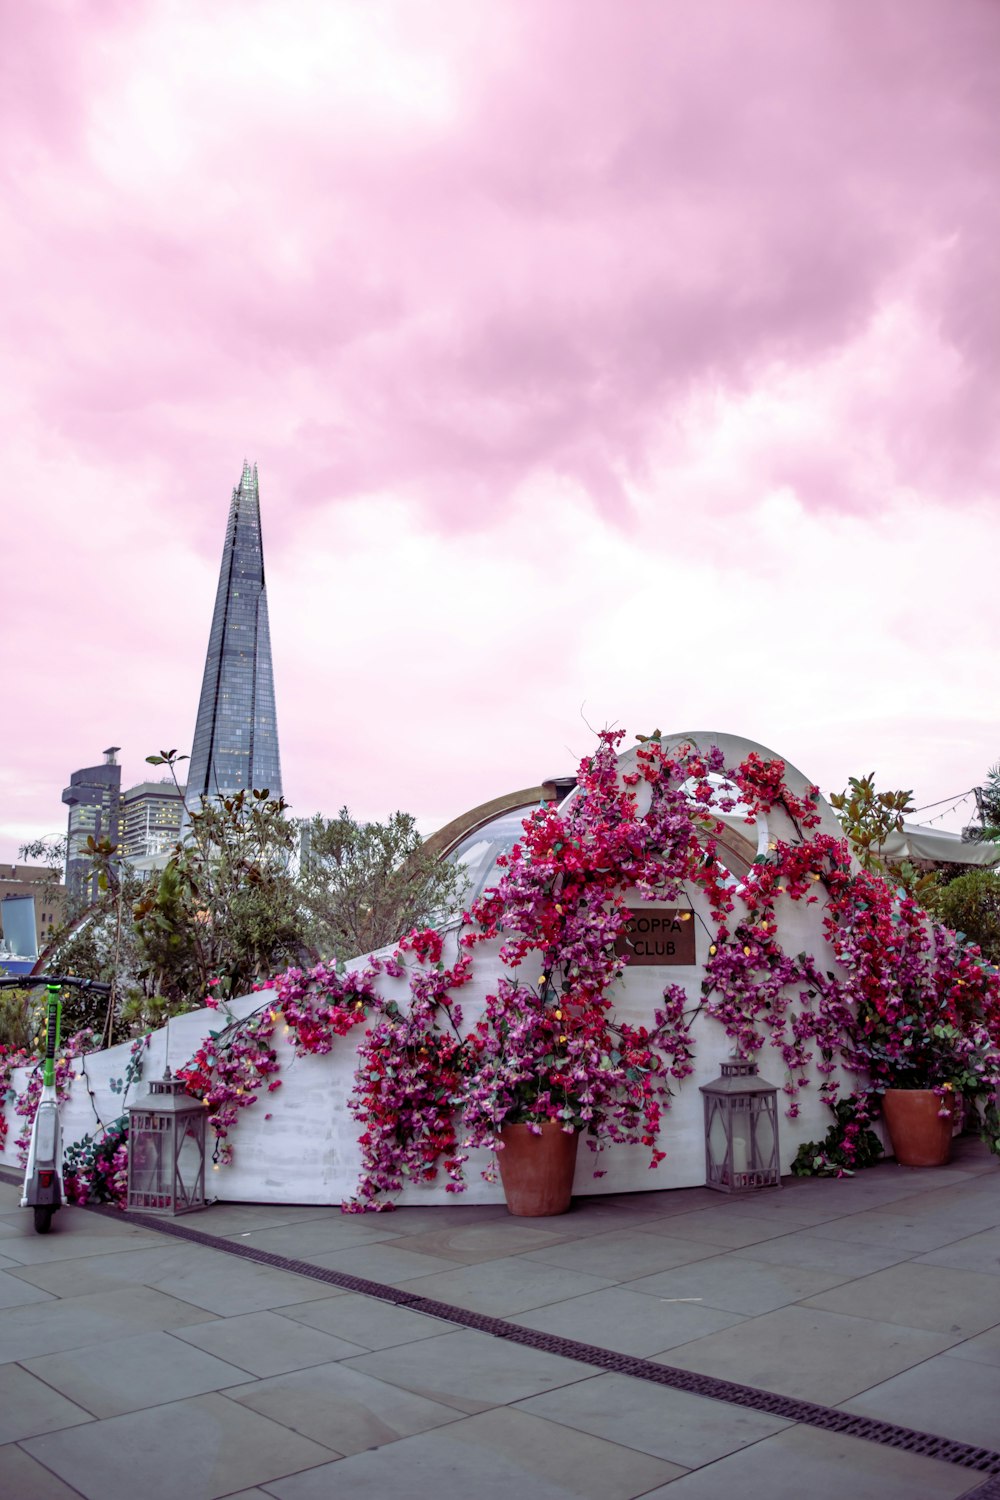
x: 166, y: 1155
x: 741, y: 1129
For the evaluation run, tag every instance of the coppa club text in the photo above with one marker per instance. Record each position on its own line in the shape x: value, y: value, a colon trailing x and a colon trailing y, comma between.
x: 657, y: 936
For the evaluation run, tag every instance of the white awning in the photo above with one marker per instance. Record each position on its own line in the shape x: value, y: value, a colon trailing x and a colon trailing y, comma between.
x: 920, y: 842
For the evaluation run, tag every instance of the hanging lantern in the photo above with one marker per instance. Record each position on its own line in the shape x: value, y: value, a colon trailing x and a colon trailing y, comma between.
x: 166, y: 1154
x: 741, y: 1129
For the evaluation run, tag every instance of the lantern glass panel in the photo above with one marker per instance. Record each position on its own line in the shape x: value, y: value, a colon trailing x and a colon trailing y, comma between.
x: 741, y: 1136
x: 149, y: 1162
x: 190, y: 1156
x: 764, y: 1137
x: 718, y: 1136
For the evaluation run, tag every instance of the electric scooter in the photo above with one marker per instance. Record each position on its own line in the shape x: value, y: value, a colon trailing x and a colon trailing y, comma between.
x: 43, y: 1186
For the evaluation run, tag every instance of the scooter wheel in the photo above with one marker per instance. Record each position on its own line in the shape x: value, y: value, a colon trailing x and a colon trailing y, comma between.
x: 43, y: 1218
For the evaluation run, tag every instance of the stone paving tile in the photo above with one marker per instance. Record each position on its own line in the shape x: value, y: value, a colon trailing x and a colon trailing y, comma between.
x: 494, y: 1456
x: 952, y: 1397
x: 470, y: 1370
x: 102, y: 1273
x: 984, y: 1349
x: 390, y: 1264
x: 803, y: 1351
x: 17, y: 1293
x: 810, y: 1247
x: 228, y: 1286
x: 958, y: 1398
x: 738, y: 1283
x: 687, y: 1429
x: 472, y: 1243
x: 266, y: 1343
x: 873, y: 1188
x: 256, y: 1494
x: 29, y: 1407
x: 797, y: 1210
x: 977, y: 1252
x: 943, y: 1299
x: 317, y: 1236
x: 502, y: 1287
x: 365, y: 1321
x: 31, y: 1249
x: 24, y: 1478
x: 230, y: 1219
x: 619, y: 1318
x: 622, y: 1255
x: 877, y: 1226
x: 73, y: 1322
x: 587, y: 1217
x: 663, y: 1201
x: 124, y: 1375
x: 717, y: 1226
x: 804, y: 1461
x: 200, y: 1449
x: 428, y: 1219
x: 343, y: 1408
x: 973, y: 1206
x: 17, y: 1221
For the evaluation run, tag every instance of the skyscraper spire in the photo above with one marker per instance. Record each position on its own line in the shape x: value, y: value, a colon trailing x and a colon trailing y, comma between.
x: 236, y: 733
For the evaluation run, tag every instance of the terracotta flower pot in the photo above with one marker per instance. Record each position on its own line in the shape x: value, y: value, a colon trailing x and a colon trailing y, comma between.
x: 919, y: 1135
x: 537, y: 1170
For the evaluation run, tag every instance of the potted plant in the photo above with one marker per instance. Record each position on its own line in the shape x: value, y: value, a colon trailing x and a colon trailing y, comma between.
x: 544, y: 1068
x: 923, y: 1071
x: 930, y: 1050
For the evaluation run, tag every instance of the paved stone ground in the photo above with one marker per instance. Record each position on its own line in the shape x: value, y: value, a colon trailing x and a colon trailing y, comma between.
x: 133, y: 1363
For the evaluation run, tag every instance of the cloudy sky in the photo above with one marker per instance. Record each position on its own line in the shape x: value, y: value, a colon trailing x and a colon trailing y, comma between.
x: 603, y: 362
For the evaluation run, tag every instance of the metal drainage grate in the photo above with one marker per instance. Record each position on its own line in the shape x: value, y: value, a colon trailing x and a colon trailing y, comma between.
x: 809, y: 1413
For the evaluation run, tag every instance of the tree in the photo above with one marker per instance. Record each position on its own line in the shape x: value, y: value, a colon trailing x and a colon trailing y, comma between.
x: 868, y: 817
x: 95, y: 940
x: 989, y: 806
x: 971, y: 905
x: 225, y: 911
x: 364, y: 885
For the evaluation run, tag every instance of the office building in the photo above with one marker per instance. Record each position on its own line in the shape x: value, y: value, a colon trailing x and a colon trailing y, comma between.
x: 150, y: 819
x: 93, y: 798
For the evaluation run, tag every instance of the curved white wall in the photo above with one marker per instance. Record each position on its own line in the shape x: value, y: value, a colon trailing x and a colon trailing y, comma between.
x: 307, y: 1152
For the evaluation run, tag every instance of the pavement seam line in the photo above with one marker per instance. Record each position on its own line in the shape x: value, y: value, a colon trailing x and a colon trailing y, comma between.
x: 812, y: 1414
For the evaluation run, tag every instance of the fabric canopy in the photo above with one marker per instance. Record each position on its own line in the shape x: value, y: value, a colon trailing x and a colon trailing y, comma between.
x: 920, y: 842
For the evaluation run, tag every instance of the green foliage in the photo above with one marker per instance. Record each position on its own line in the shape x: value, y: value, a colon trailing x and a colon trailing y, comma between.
x: 990, y: 1126
x: 828, y: 1157
x: 17, y: 1025
x: 990, y: 804
x: 226, y: 906
x: 868, y: 817
x: 364, y: 885
x: 971, y: 905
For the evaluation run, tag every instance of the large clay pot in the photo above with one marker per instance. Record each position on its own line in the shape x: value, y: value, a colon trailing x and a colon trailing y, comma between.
x: 537, y: 1170
x: 920, y: 1136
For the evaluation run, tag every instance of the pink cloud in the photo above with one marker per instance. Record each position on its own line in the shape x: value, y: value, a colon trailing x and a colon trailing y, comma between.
x: 658, y: 263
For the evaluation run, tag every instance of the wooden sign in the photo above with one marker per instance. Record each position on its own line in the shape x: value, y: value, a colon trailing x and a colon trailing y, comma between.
x: 658, y: 935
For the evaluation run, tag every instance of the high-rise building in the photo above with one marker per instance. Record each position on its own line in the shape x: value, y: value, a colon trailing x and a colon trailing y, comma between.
x: 34, y: 886
x: 236, y: 733
x: 92, y: 797
x: 150, y: 819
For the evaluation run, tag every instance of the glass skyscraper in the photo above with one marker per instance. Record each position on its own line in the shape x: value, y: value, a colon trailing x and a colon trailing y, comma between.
x: 236, y: 734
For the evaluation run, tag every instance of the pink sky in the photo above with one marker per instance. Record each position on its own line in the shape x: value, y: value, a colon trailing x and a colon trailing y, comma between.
x: 603, y: 362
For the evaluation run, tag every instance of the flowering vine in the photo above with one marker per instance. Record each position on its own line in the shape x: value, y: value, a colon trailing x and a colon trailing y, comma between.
x: 899, y: 999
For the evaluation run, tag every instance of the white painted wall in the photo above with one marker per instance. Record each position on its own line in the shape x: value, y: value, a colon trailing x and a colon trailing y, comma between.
x: 307, y: 1152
